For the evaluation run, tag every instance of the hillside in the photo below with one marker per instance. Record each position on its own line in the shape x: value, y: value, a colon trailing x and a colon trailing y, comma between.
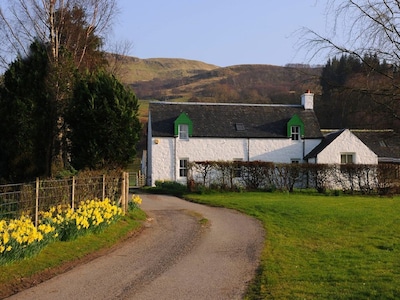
x: 135, y: 69
x: 188, y: 80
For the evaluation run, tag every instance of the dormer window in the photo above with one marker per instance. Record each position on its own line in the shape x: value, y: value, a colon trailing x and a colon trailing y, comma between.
x: 183, y: 127
x: 295, y: 133
x: 295, y: 128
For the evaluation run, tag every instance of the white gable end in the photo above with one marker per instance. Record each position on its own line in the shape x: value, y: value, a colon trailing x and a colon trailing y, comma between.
x: 347, y: 143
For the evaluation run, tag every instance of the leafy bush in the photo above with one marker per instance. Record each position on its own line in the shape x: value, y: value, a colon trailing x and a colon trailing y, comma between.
x: 169, y: 188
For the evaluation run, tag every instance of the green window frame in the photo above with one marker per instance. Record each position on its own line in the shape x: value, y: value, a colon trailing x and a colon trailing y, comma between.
x: 295, y: 128
x: 183, y: 132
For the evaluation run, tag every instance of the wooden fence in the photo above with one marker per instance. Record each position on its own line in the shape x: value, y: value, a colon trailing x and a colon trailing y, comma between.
x: 40, y: 195
x: 136, y: 179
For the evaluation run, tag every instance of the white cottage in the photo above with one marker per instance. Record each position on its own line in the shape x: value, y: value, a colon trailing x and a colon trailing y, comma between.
x: 182, y: 132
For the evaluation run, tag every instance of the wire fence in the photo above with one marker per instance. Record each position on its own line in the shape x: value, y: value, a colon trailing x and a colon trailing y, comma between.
x: 30, y: 198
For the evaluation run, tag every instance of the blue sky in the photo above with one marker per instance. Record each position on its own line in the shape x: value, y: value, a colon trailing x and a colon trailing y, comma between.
x: 220, y: 32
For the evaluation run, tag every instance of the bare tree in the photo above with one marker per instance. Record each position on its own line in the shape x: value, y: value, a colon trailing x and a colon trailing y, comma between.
x: 23, y: 21
x: 362, y: 28
x: 72, y: 31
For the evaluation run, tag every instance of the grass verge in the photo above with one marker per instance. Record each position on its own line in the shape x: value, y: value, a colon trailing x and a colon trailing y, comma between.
x: 60, y: 256
x: 322, y: 247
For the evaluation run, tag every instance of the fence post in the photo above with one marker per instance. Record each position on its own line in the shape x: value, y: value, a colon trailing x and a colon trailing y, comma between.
x: 104, y: 187
x: 123, y: 194
x: 37, y: 203
x: 126, y: 190
x: 73, y: 193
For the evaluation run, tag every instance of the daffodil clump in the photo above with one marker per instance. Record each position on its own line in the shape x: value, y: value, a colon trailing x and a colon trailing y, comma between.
x: 19, y: 238
x: 90, y: 216
x: 135, y: 202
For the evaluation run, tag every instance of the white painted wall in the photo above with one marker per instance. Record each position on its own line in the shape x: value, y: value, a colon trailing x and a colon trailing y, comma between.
x: 166, y: 152
x: 347, y: 142
x: 163, y: 160
x: 280, y: 150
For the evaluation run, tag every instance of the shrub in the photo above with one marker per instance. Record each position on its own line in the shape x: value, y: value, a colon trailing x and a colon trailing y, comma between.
x: 169, y: 188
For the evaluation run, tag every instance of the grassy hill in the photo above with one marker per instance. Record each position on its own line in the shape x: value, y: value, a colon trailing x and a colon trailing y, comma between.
x: 168, y: 79
x: 135, y: 69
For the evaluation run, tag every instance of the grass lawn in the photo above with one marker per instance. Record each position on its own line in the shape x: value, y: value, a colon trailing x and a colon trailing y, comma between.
x: 322, y: 247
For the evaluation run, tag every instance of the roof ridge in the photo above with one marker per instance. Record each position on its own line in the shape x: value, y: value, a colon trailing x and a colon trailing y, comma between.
x: 358, y: 130
x: 227, y: 104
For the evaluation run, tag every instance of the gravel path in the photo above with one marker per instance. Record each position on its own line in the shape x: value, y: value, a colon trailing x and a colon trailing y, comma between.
x: 175, y: 257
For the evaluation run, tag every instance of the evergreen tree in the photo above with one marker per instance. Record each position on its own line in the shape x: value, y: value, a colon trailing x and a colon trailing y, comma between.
x: 25, y: 118
x: 346, y: 101
x: 103, y: 122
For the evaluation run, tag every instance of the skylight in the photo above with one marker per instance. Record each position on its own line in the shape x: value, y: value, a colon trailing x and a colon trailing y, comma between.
x: 240, y: 127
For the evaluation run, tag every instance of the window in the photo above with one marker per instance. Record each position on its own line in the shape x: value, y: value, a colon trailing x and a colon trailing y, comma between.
x: 295, y: 133
x: 295, y: 160
x: 347, y: 158
x: 183, y: 130
x: 240, y: 127
x: 183, y: 167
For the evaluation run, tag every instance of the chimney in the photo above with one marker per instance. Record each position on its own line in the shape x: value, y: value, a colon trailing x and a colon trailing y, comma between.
x: 307, y: 100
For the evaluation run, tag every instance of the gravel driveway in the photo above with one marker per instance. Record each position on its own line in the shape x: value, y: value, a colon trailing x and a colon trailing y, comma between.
x: 175, y: 257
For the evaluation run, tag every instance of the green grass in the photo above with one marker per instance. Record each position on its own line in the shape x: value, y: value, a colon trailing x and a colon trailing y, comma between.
x: 58, y: 253
x: 322, y: 247
x: 143, y: 109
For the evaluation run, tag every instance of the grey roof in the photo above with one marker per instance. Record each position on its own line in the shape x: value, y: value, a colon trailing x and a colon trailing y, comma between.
x: 385, y: 143
x: 224, y: 120
x: 329, y: 138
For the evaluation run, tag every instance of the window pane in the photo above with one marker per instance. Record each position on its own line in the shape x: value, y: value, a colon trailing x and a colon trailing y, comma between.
x: 183, y: 131
x: 347, y: 158
x: 183, y: 164
x: 295, y: 131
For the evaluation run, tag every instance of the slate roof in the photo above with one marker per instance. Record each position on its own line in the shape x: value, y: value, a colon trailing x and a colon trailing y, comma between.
x: 223, y: 120
x: 385, y: 143
x: 329, y: 138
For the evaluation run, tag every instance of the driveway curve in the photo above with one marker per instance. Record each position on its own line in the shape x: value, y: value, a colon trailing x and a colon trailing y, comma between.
x: 176, y: 256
